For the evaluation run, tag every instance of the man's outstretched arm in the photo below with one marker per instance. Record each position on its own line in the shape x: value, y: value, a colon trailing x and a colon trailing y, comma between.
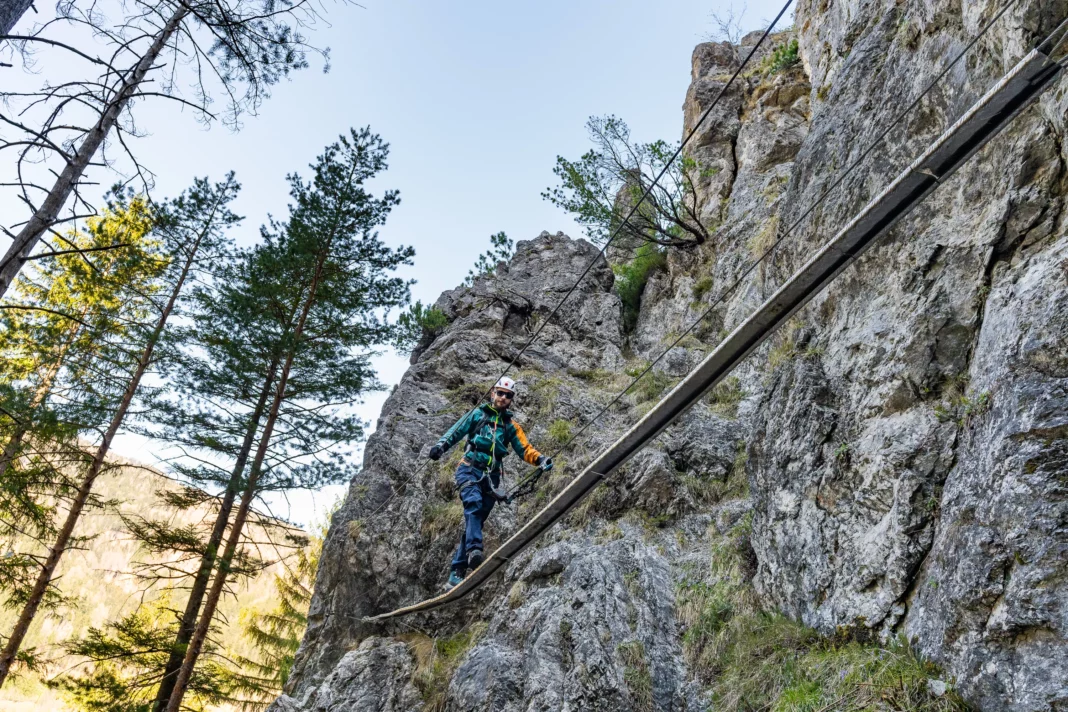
x: 460, y: 430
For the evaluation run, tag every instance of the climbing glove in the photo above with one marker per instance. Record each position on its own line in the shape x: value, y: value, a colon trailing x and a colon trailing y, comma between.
x: 436, y: 452
x: 545, y: 463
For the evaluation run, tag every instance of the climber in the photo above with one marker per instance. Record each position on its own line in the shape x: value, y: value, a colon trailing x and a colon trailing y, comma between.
x: 489, y: 429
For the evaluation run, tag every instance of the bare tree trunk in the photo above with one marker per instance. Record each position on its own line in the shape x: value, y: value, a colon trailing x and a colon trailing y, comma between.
x: 45, y: 216
x: 196, y: 643
x: 11, y: 11
x: 207, y: 561
x: 44, y: 579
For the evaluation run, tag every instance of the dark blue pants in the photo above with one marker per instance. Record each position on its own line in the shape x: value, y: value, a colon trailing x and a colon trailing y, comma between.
x: 478, y: 503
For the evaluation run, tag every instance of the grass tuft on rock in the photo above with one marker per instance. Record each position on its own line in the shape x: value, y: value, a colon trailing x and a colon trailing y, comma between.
x: 436, y: 661
x: 702, y: 287
x: 636, y: 674
x: 560, y: 431
x: 651, y: 386
x: 442, y: 517
x: 726, y: 396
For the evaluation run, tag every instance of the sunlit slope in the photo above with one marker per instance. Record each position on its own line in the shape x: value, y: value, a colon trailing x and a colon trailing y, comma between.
x: 99, y: 576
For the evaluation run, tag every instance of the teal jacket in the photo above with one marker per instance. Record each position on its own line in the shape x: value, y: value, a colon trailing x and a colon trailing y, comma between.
x: 489, y: 433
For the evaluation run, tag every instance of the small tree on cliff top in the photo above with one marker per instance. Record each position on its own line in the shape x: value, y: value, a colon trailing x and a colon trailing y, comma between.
x: 602, y: 187
x: 500, y: 249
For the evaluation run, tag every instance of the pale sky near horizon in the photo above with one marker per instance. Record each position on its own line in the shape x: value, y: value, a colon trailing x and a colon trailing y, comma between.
x: 476, y: 100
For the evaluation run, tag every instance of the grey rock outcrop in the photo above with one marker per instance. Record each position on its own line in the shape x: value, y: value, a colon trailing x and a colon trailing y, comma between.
x: 584, y: 605
x: 904, y: 438
x: 890, y: 457
x: 375, y: 677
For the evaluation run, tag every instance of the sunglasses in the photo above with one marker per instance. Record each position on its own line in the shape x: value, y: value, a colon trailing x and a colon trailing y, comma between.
x: 504, y: 394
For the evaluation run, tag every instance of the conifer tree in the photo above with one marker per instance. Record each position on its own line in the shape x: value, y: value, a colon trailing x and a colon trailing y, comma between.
x: 124, y: 661
x: 342, y: 288
x: 221, y: 389
x: 500, y: 250
x: 65, y: 307
x: 70, y: 320
x: 192, y: 230
x: 127, y: 656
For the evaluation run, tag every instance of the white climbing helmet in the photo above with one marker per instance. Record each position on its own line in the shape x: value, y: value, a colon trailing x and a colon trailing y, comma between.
x: 506, y: 384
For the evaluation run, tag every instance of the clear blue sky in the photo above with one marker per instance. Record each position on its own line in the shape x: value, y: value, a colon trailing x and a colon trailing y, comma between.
x: 476, y: 99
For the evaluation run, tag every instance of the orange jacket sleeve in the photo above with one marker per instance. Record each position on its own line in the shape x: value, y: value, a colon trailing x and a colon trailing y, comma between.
x: 522, y: 446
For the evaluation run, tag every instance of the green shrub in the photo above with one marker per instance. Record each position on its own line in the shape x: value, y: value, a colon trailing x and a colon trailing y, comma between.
x: 560, y: 430
x: 632, y: 277
x: 418, y: 327
x: 959, y: 406
x: 783, y: 57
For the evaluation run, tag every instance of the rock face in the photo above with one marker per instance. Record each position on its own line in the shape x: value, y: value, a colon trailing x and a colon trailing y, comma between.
x: 904, y: 438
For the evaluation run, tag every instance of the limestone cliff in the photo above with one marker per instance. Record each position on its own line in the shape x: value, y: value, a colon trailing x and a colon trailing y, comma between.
x: 894, y: 463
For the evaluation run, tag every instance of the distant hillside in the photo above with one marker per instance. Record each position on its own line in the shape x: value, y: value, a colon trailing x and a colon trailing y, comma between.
x: 98, y: 576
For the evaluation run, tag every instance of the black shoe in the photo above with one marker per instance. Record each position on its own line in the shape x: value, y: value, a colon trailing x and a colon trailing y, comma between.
x: 474, y: 559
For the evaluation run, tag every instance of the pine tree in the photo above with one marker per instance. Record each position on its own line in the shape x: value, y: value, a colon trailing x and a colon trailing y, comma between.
x: 221, y: 389
x: 192, y: 230
x: 70, y: 321
x: 123, y: 662
x: 500, y: 250
x: 342, y: 287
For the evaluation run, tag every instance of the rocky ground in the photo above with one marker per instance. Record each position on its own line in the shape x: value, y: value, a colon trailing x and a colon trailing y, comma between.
x: 892, y: 464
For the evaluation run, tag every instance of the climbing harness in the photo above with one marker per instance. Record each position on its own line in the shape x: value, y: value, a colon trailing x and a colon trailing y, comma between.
x: 480, y: 452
